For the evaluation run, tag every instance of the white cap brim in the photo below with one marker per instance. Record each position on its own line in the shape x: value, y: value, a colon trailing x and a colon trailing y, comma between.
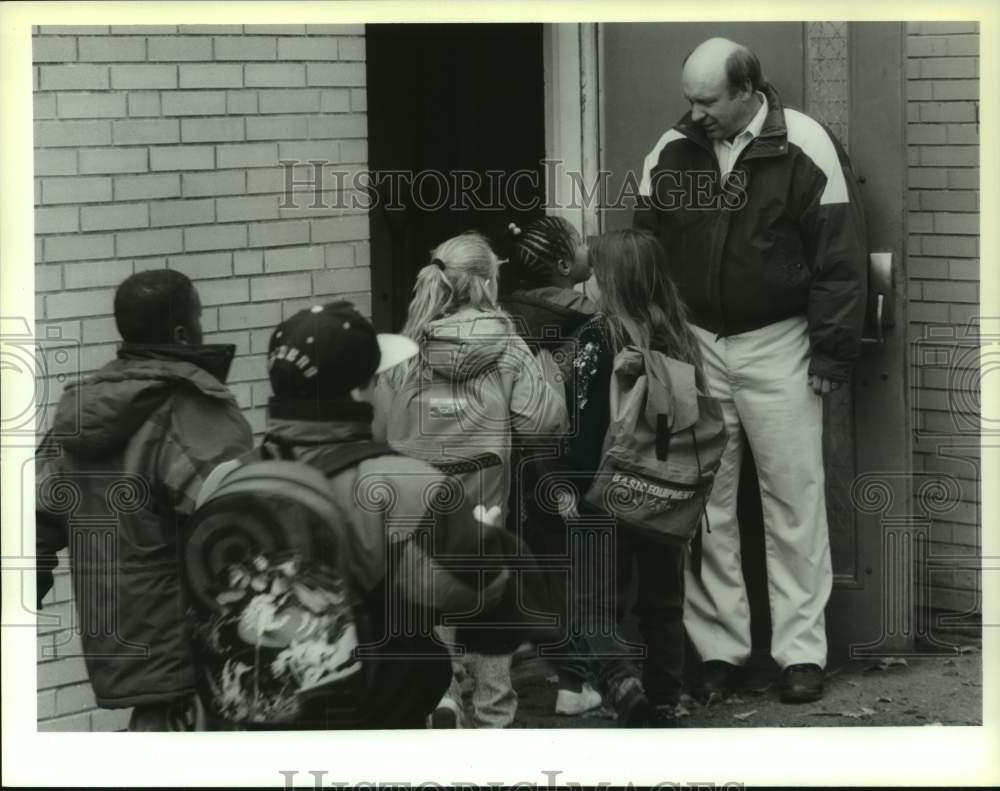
x: 395, y: 349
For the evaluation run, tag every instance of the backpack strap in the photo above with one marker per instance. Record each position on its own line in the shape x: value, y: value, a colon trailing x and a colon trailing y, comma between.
x: 662, y: 436
x: 463, y: 466
x: 273, y: 448
x: 349, y: 454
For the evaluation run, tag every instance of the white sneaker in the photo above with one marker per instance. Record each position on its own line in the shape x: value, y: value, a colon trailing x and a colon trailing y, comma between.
x: 572, y: 703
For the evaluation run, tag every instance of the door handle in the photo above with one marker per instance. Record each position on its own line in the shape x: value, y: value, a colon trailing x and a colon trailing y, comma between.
x: 879, y: 314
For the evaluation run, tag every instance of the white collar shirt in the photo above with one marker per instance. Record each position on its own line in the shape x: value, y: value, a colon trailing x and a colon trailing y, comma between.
x: 727, y: 153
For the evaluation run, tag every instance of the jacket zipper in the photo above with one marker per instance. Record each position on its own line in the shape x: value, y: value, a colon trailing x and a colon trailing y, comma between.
x: 715, y: 250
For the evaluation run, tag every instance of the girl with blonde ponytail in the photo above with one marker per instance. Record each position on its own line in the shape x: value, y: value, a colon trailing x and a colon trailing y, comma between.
x: 456, y: 405
x: 462, y: 275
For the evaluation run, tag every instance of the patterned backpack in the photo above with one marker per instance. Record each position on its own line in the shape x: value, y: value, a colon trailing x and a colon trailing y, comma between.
x: 276, y: 612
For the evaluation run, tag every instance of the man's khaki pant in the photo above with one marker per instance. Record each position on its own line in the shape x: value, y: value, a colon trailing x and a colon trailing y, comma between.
x: 761, y: 377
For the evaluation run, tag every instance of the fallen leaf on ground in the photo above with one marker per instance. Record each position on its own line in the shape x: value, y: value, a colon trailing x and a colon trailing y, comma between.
x: 687, y: 700
x: 949, y: 662
x: 680, y: 711
x: 931, y: 723
x: 735, y: 700
x: 884, y: 699
x: 966, y: 649
x: 745, y: 715
x: 553, y: 679
x: 890, y: 661
x: 854, y: 683
x: 857, y: 715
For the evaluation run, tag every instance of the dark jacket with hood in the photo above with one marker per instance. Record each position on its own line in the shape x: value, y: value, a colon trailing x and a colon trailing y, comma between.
x: 783, y: 236
x: 548, y: 319
x: 117, y: 478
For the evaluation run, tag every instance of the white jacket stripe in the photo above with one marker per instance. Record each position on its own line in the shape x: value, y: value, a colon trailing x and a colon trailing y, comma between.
x: 653, y: 157
x: 815, y: 143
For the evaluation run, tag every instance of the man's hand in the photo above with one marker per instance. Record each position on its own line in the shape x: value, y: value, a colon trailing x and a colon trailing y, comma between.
x: 821, y: 385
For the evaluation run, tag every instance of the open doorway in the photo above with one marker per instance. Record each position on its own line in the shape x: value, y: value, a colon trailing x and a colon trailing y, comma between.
x: 448, y: 99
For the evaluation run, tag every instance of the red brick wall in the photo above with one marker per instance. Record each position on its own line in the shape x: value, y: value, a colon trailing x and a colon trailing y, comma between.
x: 943, y: 268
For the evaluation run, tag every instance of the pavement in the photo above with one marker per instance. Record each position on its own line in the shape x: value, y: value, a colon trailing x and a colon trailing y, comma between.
x: 915, y: 689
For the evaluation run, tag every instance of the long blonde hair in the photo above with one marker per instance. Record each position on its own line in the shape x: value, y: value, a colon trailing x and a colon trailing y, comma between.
x: 638, y: 298
x: 462, y: 274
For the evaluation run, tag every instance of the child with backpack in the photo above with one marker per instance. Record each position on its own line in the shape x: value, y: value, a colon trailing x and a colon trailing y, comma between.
x: 646, y: 446
x: 308, y: 560
x: 457, y: 404
x: 546, y: 260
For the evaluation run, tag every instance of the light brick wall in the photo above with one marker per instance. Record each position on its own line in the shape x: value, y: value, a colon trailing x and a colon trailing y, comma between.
x: 943, y: 265
x: 160, y: 146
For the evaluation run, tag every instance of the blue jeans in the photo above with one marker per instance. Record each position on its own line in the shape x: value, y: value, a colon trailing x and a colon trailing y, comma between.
x: 605, y: 559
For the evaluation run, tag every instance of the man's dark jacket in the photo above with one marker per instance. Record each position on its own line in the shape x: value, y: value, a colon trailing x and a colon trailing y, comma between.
x: 783, y: 236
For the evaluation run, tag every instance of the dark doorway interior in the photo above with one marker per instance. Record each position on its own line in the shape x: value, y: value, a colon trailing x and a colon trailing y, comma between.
x: 449, y: 98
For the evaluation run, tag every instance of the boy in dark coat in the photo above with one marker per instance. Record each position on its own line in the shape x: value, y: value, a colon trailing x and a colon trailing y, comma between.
x: 136, y: 441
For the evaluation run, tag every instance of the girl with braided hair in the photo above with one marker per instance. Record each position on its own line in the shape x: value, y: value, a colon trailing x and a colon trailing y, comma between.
x: 546, y: 260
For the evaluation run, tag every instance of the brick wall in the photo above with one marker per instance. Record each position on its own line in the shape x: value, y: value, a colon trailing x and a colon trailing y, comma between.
x: 159, y: 146
x: 943, y: 266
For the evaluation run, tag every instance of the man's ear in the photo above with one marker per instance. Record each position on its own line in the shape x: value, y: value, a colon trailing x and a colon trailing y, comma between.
x: 563, y: 266
x: 181, y: 335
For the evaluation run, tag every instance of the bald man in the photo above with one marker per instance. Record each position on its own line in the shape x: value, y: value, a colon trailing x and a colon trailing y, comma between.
x: 757, y: 209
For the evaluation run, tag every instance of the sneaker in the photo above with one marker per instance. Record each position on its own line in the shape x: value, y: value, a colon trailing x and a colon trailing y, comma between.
x: 446, y: 716
x: 631, y: 704
x: 801, y: 683
x: 716, y: 680
x: 572, y: 703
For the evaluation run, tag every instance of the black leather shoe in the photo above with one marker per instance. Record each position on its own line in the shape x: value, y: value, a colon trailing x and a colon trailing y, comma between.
x: 716, y: 680
x: 801, y: 683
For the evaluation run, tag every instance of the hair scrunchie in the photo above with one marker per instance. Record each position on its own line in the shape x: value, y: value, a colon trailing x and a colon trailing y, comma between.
x: 438, y: 263
x: 514, y: 230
